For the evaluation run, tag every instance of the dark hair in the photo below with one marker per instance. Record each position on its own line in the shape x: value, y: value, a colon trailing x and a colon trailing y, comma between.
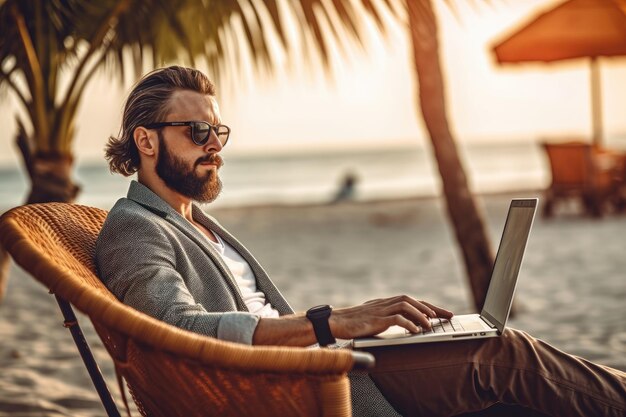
x: 147, y: 103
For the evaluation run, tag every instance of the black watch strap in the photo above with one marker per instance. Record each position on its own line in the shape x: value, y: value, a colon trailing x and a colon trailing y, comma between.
x: 319, y: 316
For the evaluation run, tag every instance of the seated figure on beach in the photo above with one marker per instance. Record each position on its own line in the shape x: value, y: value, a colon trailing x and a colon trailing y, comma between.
x: 347, y: 188
x: 161, y: 254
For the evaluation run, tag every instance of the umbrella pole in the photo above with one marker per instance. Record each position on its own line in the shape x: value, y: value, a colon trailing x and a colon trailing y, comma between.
x: 596, y: 101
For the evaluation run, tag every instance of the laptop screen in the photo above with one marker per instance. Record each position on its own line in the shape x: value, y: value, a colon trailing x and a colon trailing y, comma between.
x: 508, y: 261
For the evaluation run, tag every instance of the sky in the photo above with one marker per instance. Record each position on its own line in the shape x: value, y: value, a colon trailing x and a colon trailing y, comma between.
x: 369, y: 101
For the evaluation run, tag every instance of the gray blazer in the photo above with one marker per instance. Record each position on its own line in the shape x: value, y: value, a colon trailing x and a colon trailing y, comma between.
x: 154, y: 260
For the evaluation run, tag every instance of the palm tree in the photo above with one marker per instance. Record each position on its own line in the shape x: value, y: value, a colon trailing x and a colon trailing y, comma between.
x: 50, y: 50
x: 463, y: 212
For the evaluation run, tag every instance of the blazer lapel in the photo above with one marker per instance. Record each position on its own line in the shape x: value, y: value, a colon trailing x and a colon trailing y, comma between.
x: 145, y: 197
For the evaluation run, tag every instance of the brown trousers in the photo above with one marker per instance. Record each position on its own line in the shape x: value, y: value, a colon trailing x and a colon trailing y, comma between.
x: 450, y: 378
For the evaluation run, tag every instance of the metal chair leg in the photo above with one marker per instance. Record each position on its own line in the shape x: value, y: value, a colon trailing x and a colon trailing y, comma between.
x: 85, y: 352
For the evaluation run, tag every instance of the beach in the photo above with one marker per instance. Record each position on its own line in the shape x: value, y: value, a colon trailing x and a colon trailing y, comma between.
x: 574, y: 275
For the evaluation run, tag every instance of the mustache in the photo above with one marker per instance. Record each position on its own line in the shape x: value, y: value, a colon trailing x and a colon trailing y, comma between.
x: 211, y: 159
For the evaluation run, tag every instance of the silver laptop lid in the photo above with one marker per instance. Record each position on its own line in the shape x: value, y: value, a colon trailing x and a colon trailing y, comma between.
x: 508, y: 261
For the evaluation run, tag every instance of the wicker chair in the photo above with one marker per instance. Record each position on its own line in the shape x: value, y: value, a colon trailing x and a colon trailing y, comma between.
x: 169, y: 371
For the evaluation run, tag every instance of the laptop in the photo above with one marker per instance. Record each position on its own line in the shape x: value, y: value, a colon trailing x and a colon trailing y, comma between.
x: 491, y: 321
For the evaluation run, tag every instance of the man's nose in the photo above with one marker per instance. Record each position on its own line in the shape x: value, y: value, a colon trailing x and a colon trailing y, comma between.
x: 213, y: 145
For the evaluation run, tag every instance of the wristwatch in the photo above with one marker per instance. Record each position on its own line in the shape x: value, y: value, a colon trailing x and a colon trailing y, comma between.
x: 319, y: 316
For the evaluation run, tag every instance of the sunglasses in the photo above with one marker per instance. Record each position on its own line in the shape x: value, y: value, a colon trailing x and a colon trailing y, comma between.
x: 200, y: 131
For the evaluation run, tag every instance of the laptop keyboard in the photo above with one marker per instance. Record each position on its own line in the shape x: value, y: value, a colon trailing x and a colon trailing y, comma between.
x: 443, y: 326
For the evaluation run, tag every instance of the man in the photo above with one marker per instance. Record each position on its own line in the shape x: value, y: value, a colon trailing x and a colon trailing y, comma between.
x: 161, y: 254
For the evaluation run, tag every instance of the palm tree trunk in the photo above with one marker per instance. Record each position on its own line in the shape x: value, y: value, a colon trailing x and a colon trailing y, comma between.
x: 462, y: 210
x: 4, y: 271
x: 51, y: 180
x: 50, y: 174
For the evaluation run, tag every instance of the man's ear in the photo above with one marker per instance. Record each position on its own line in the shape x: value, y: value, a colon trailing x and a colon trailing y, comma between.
x: 145, y: 140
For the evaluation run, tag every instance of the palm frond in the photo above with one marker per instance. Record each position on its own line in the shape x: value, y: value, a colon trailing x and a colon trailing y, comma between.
x: 80, y: 36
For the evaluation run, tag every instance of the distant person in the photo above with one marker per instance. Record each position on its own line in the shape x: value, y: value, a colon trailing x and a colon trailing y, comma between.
x: 161, y: 254
x: 347, y: 188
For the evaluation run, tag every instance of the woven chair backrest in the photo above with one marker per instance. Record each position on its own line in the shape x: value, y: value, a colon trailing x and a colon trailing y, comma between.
x: 65, y: 235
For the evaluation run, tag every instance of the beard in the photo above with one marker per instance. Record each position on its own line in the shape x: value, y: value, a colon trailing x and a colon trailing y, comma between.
x: 180, y: 177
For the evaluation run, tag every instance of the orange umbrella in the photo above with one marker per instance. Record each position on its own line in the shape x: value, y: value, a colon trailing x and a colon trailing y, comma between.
x: 573, y: 29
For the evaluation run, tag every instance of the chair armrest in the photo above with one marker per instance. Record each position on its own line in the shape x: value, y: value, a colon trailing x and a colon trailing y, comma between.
x: 363, y: 360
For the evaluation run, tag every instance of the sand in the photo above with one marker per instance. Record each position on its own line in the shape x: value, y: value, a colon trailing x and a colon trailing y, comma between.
x: 574, y: 272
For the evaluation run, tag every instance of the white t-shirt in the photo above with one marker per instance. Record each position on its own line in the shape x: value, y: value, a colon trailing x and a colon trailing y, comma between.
x: 255, y: 300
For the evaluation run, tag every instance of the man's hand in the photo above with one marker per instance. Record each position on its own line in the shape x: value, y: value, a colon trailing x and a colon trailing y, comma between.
x: 376, y: 316
x: 366, y: 319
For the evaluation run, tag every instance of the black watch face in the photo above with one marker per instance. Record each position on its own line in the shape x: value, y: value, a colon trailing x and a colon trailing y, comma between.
x: 319, y: 311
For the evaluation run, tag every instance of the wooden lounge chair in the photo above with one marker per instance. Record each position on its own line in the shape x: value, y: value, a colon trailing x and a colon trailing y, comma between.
x: 580, y: 171
x: 169, y: 371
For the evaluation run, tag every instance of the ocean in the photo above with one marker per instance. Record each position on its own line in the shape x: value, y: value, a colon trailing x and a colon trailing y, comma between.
x: 315, y: 177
